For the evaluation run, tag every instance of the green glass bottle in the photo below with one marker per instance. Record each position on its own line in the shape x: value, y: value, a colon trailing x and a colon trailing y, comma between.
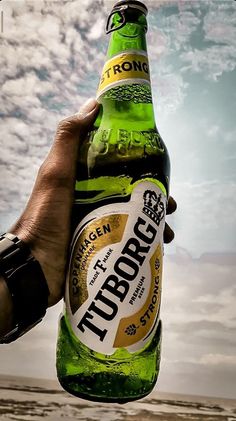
x: 110, y: 333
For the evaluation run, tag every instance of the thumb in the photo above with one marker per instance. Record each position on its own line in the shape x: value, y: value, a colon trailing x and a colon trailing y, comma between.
x: 70, y: 129
x: 85, y: 110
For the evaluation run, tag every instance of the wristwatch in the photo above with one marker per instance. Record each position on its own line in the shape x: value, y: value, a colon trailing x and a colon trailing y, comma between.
x: 26, y: 283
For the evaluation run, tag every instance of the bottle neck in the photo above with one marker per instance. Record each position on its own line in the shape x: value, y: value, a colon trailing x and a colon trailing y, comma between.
x: 124, y: 90
x: 132, y: 36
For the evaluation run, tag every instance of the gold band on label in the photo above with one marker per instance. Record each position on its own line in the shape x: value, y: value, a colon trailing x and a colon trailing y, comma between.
x: 130, y: 329
x: 87, y: 246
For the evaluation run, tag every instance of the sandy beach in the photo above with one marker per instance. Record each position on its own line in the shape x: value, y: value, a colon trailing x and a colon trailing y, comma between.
x: 32, y: 399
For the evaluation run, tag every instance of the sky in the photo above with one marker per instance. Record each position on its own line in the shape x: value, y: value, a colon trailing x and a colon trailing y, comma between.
x: 51, y: 56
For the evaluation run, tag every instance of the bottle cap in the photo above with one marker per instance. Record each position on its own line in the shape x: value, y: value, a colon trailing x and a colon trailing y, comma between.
x: 120, y: 7
x: 136, y: 4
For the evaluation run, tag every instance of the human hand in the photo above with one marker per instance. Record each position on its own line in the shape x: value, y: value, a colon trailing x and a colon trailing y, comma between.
x: 168, y: 232
x: 45, y: 224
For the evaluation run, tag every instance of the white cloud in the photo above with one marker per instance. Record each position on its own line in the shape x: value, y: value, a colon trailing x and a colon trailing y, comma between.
x: 28, y: 85
x: 220, y: 31
x: 225, y: 300
x: 199, y: 318
x: 47, y: 54
x: 212, y: 61
x: 230, y: 136
x: 219, y: 23
x: 169, y: 91
x: 215, y: 359
x: 97, y: 30
x: 206, y: 215
x: 180, y: 27
x: 158, y: 43
x: 213, y: 131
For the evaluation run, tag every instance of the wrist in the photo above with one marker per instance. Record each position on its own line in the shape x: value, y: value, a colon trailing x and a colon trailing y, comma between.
x: 42, y: 246
x: 33, y: 243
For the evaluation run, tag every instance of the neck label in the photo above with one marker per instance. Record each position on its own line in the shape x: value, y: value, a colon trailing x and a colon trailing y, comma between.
x: 125, y: 68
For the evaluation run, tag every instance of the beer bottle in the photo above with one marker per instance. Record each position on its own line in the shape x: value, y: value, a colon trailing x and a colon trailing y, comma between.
x: 110, y: 333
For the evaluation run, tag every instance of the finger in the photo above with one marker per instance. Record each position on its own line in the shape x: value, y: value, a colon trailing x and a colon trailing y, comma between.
x: 171, y: 206
x: 168, y: 234
x: 70, y: 129
x: 59, y: 167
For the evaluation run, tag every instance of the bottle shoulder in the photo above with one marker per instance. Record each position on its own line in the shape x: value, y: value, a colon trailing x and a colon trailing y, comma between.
x: 125, y: 160
x: 116, y: 144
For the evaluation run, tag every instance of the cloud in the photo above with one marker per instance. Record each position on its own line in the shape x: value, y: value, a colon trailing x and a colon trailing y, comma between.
x: 180, y: 28
x: 48, y: 52
x: 50, y: 62
x: 52, y: 53
x: 213, y: 131
x: 167, y: 36
x: 215, y: 359
x: 205, y: 380
x: 169, y: 92
x: 219, y: 23
x: 219, y: 32
x: 211, y: 62
x: 206, y: 218
x: 198, y: 313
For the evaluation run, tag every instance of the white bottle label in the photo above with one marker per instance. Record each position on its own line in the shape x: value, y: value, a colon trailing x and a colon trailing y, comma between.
x: 113, y: 290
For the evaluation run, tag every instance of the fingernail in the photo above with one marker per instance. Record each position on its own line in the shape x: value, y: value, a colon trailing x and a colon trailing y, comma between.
x: 88, y: 106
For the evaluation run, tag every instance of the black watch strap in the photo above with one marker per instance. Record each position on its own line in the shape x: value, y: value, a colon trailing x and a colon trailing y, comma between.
x: 26, y: 283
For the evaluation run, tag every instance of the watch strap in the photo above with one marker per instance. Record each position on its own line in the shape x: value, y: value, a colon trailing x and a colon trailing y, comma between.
x: 26, y: 283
